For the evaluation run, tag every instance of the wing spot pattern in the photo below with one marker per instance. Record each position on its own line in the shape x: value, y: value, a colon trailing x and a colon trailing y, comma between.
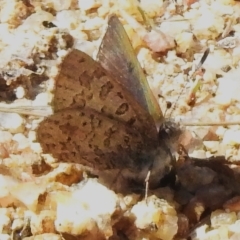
x: 122, y: 109
x: 105, y: 90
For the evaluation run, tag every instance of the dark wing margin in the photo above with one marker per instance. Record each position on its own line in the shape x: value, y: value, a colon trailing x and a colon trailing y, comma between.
x: 117, y: 56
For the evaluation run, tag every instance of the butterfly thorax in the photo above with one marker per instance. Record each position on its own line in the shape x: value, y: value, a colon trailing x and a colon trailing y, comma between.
x: 157, y: 161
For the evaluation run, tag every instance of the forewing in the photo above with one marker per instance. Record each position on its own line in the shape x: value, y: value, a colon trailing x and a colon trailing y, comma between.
x: 83, y: 83
x: 117, y: 56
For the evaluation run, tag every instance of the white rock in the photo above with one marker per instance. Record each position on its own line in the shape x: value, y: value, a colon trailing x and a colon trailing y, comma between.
x: 156, y: 212
x: 207, y: 24
x: 228, y: 88
x: 73, y: 218
x: 42, y: 99
x: 67, y: 19
x: 235, y: 227
x: 23, y: 142
x: 231, y: 137
x: 5, y: 237
x: 198, y: 154
x: 17, y: 224
x: 20, y: 92
x: 219, y: 233
x: 220, y: 59
x: 200, y: 232
x: 90, y: 206
x: 85, y: 46
x: 95, y: 195
x: 5, y: 221
x: 7, y: 10
x: 34, y: 22
x: 61, y: 5
x: 212, y: 146
x: 174, y: 28
x: 93, y: 24
x: 12, y: 121
x: 222, y: 9
x: 88, y: 4
x: 32, y: 136
x: 184, y: 41
x: 36, y: 147
x: 5, y: 136
x: 220, y: 218
x: 28, y: 193
x: 221, y: 131
x: 153, y: 8
x: 6, y: 33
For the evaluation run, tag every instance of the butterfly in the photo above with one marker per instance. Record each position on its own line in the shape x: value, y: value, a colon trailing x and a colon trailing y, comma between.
x: 104, y: 112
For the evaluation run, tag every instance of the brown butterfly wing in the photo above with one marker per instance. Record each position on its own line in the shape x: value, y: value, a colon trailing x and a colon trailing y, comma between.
x: 90, y: 138
x: 83, y: 83
x: 116, y: 48
x: 96, y: 120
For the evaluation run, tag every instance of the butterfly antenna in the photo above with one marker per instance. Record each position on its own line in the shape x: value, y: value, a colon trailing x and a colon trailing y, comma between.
x: 175, y: 103
x: 202, y: 60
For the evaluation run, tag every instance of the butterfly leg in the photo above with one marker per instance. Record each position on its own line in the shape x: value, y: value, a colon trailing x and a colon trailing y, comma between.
x: 147, y: 184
